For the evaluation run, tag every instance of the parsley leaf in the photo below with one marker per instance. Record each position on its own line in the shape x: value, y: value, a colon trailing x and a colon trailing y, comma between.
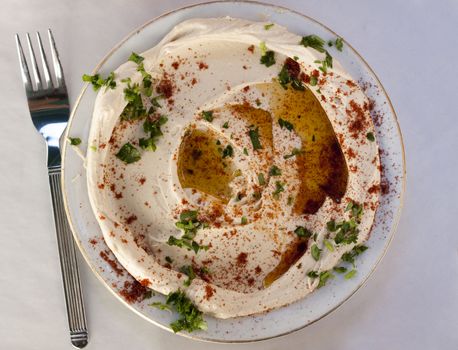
x: 324, y: 277
x: 226, y: 125
x: 268, y: 59
x: 208, y: 116
x: 161, y: 306
x: 136, y: 58
x: 128, y: 153
x: 261, y: 179
x: 134, y: 108
x: 97, y: 81
x: 316, y: 252
x: 347, y: 231
x: 285, y: 78
x: 340, y: 269
x: 245, y: 151
x: 74, y: 141
x: 339, y: 44
x: 268, y: 26
x: 312, y: 274
x: 244, y: 220
x: 188, y: 271
x: 254, y: 137
x: 285, y: 124
x: 169, y: 259
x: 370, y: 136
x: 274, y: 171
x: 294, y: 152
x: 352, y: 254
x: 328, y: 245
x: 263, y: 48
x: 314, y: 41
x: 154, y: 128
x: 228, y: 151
x: 350, y: 274
x: 189, y: 223
x: 303, y: 232
x: 191, y: 318
x: 278, y: 189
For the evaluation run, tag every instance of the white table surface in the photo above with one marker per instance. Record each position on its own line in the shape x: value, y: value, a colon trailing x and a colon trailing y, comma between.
x: 411, y: 301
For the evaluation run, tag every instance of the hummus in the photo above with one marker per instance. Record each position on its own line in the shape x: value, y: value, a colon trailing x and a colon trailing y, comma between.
x: 266, y: 169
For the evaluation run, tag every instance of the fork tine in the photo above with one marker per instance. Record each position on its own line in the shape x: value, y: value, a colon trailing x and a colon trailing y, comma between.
x: 56, y: 62
x: 35, y: 72
x: 44, y: 63
x: 24, y: 68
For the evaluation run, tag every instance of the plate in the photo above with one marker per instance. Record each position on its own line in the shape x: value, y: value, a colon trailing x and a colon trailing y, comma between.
x: 277, y: 322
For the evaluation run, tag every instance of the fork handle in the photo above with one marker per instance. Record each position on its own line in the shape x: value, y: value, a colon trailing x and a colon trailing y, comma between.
x: 68, y: 263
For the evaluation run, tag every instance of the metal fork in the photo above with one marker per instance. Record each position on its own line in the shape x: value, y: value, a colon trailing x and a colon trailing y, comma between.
x: 49, y: 108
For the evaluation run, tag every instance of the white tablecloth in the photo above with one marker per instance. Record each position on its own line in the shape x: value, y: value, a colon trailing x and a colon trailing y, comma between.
x: 411, y: 302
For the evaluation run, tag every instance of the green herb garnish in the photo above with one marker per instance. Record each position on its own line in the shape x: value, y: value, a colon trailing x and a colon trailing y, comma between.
x: 278, y: 189
x: 161, y: 306
x: 285, y: 78
x: 312, y: 274
x: 261, y: 179
x: 134, y: 108
x: 228, y: 151
x: 208, y: 116
x: 245, y: 151
x: 153, y: 127
x: 370, y: 136
x: 285, y: 124
x: 350, y: 274
x: 274, y: 171
x: 302, y: 232
x: 268, y: 59
x: 128, y: 153
x: 313, y: 80
x: 313, y: 41
x: 135, y: 58
x: 188, y: 271
x: 328, y: 245
x: 347, y: 231
x: 268, y: 26
x: 226, y: 125
x: 189, y: 223
x: 74, y: 141
x: 316, y: 252
x: 263, y: 48
x: 294, y: 152
x: 244, y: 220
x: 97, y: 81
x: 339, y: 44
x: 340, y: 269
x: 254, y: 137
x: 350, y: 256
x: 324, y: 277
x: 169, y: 259
x: 190, y: 317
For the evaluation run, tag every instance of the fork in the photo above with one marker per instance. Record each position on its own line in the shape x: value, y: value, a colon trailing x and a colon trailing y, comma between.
x: 49, y: 109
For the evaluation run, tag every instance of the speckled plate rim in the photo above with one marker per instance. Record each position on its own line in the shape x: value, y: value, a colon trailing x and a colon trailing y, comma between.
x: 395, y: 220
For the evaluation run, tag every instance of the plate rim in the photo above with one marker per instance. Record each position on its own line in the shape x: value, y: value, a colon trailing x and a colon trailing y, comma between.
x: 396, y: 218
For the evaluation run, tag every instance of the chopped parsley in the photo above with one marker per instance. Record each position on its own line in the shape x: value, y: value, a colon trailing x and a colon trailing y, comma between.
x: 97, y: 81
x: 339, y: 44
x: 315, y: 42
x: 302, y: 232
x: 313, y: 80
x: 226, y: 125
x: 147, y: 82
x: 328, y: 245
x: 254, y: 137
x: 312, y: 274
x: 245, y: 151
x: 268, y: 26
x: 228, y: 151
x: 208, y: 116
x: 189, y: 223
x: 350, y: 256
x: 316, y: 252
x: 263, y: 48
x: 147, y: 295
x: 340, y: 269
x: 161, y: 306
x: 290, y: 200
x: 350, y: 274
x: 244, y: 220
x: 294, y: 152
x: 370, y: 136
x: 134, y: 108
x: 268, y: 59
x: 274, y: 171
x: 169, y: 259
x: 324, y: 277
x: 278, y: 189
x: 285, y: 124
x: 191, y: 318
x: 153, y: 127
x: 128, y: 153
x: 74, y: 141
x: 285, y: 78
x: 134, y: 57
x: 188, y: 271
x: 261, y: 179
x: 347, y: 231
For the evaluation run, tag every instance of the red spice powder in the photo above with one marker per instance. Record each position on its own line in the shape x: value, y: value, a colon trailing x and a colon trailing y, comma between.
x: 131, y: 219
x: 209, y: 291
x: 112, y: 263
x: 165, y: 88
x: 202, y: 65
x: 175, y: 64
x: 251, y: 48
x: 242, y: 258
x: 133, y: 291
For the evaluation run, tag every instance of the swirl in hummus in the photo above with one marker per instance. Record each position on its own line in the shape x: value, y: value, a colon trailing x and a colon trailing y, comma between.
x: 263, y: 159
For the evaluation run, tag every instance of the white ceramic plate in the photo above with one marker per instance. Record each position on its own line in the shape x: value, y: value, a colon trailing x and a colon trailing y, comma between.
x: 287, y: 319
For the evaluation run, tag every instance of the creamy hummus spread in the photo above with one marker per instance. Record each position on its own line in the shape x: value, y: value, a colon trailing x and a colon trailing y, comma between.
x: 267, y: 162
